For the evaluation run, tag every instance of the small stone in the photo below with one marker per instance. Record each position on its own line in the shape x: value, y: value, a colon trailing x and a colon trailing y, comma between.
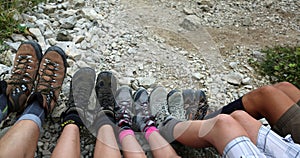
x: 78, y: 39
x: 90, y: 13
x: 246, y: 81
x: 38, y: 34
x: 233, y: 65
x: 68, y: 23
x: 63, y: 35
x: 247, y: 21
x: 49, y: 8
x: 13, y: 45
x: 188, y: 11
x: 126, y: 80
x: 234, y: 78
x: 198, y: 75
x: 191, y: 22
x: 146, y: 82
x: 18, y: 37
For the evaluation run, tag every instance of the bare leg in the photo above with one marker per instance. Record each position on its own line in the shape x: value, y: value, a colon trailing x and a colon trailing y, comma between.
x: 160, y: 147
x: 289, y: 89
x: 21, y: 140
x: 268, y: 102
x: 69, y: 143
x: 106, y: 144
x: 217, y: 132
x: 131, y: 148
x: 250, y: 124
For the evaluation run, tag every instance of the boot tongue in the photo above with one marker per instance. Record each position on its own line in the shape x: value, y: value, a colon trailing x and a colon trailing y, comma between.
x: 37, y: 96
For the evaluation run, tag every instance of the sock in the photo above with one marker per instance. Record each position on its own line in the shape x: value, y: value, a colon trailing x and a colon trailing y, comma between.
x: 104, y: 119
x: 125, y: 133
x: 72, y: 118
x: 149, y: 131
x: 34, y: 112
x: 227, y: 109
x: 3, y: 107
x: 167, y: 128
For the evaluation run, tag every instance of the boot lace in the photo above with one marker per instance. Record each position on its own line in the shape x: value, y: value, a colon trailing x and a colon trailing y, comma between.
x: 47, y: 79
x: 20, y: 76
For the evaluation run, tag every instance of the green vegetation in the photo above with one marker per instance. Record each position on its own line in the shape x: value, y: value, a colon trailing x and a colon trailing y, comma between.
x: 9, y: 10
x: 282, y: 63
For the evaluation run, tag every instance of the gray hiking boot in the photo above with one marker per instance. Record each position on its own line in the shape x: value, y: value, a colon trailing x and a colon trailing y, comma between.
x: 201, y: 101
x: 123, y: 107
x: 158, y: 104
x: 175, y: 104
x: 143, y: 118
x: 81, y: 88
x: 195, y: 104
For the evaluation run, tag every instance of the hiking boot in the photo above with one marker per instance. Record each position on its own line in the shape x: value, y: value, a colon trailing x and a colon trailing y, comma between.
x: 51, y: 75
x: 201, y: 101
x: 141, y: 107
x: 195, y: 104
x: 106, y: 87
x: 123, y: 109
x: 158, y: 104
x: 24, y: 72
x: 175, y: 104
x: 82, y: 85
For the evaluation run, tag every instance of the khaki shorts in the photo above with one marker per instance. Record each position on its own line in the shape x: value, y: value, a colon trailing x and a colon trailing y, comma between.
x: 289, y: 123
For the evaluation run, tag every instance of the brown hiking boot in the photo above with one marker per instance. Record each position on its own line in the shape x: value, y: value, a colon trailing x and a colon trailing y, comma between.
x: 51, y: 75
x: 24, y: 72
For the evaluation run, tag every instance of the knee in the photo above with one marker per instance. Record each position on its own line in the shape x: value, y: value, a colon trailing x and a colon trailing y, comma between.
x: 267, y: 91
x: 223, y: 120
x: 283, y: 84
x: 239, y: 114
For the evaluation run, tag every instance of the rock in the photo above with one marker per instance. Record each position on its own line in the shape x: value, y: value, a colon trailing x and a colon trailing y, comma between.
x: 246, y: 81
x: 234, y: 78
x: 18, y: 37
x: 191, y: 22
x: 198, y: 75
x: 68, y: 23
x: 49, y: 8
x: 188, y: 11
x: 64, y: 35
x: 49, y: 34
x: 78, y: 3
x: 146, y: 82
x: 233, y: 65
x: 126, y: 80
x: 78, y: 39
x: 90, y: 13
x: 13, y: 45
x: 247, y: 21
x: 258, y: 55
x: 38, y: 34
x: 208, y: 3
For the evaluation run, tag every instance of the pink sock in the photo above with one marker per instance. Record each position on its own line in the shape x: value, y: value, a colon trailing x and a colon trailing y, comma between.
x: 125, y: 133
x: 149, y: 131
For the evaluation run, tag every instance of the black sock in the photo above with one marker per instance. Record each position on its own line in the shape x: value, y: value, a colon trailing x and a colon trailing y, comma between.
x: 227, y: 109
x: 233, y: 106
x: 72, y: 118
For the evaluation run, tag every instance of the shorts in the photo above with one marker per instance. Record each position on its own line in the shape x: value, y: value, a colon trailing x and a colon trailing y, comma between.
x: 273, y: 145
x: 289, y: 123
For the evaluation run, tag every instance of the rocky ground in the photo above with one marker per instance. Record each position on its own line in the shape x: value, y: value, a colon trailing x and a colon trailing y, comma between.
x: 199, y: 44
